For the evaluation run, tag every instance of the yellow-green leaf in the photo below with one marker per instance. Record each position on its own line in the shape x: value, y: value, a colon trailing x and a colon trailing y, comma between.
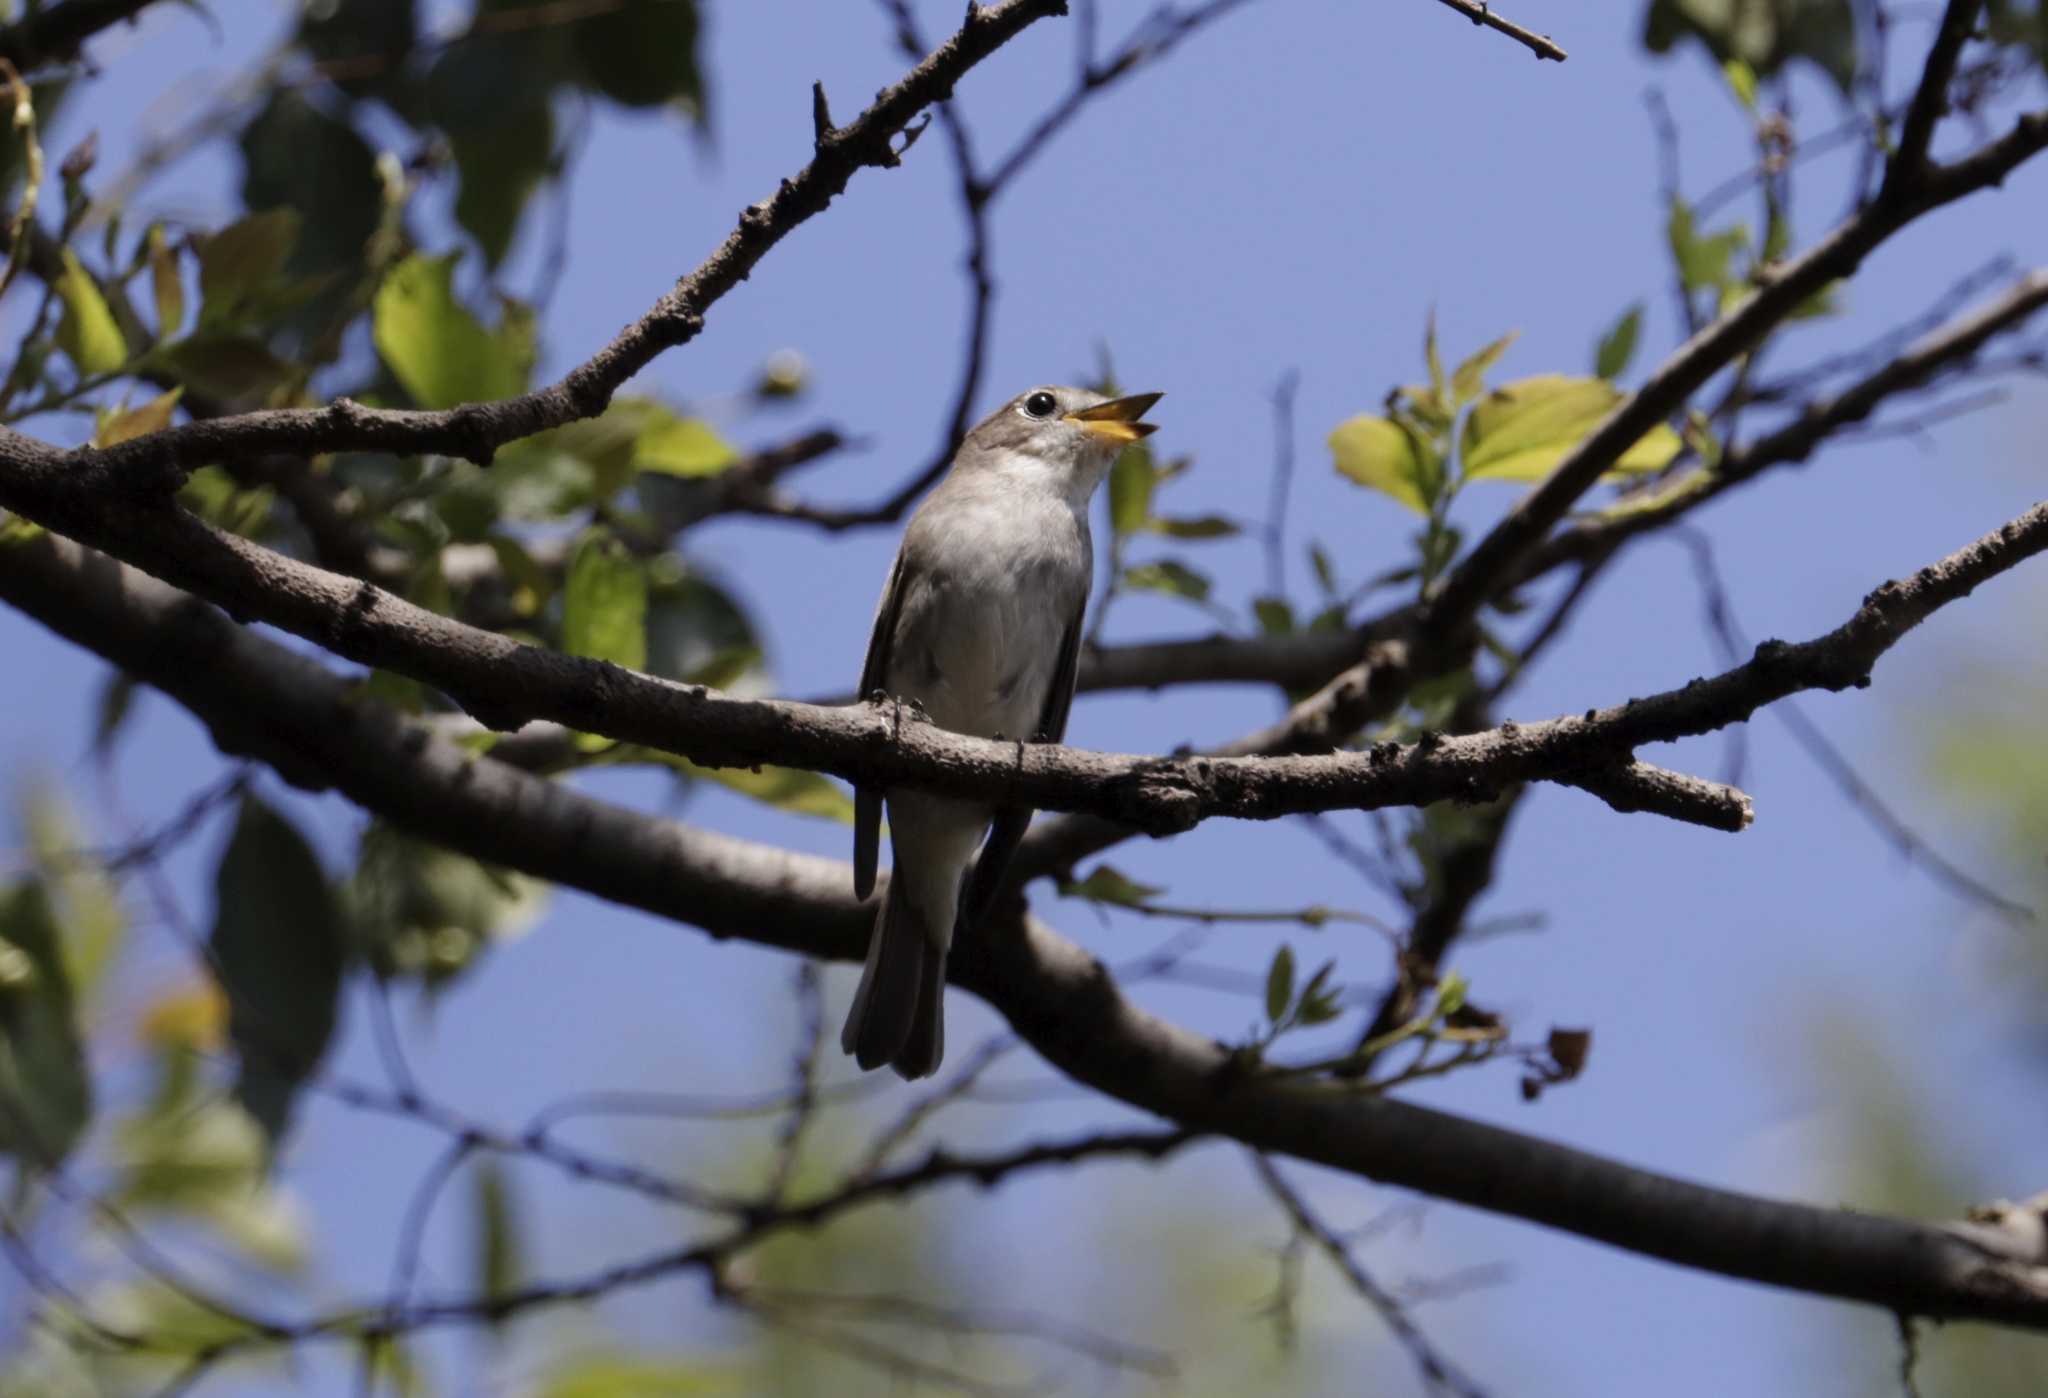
x: 1131, y: 483
x: 1382, y: 456
x: 1520, y: 431
x: 243, y: 261
x: 167, y: 287
x: 153, y: 416
x: 1741, y: 81
x: 1469, y: 378
x: 87, y: 330
x: 1618, y: 346
x: 680, y: 446
x: 787, y: 788
x: 604, y: 604
x: 436, y: 348
x: 1108, y: 884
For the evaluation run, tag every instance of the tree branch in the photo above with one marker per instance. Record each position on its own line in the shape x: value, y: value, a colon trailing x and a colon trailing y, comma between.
x: 1479, y: 12
x: 1837, y: 255
x: 476, y: 430
x: 56, y: 33
x: 282, y: 707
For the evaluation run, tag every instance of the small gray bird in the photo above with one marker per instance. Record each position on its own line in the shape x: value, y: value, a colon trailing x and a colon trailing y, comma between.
x: 980, y: 624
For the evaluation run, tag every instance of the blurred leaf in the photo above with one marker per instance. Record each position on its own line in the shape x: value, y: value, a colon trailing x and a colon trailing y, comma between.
x: 193, y: 1018
x: 491, y: 93
x: 82, y: 896
x: 786, y: 788
x: 498, y: 1264
x: 362, y: 46
x: 1520, y: 431
x: 642, y: 53
x: 604, y: 603
x: 125, y: 426
x: 1763, y: 34
x: 45, y: 1086
x: 86, y: 331
x: 680, y: 446
x: 228, y: 368
x: 1326, y: 574
x: 1280, y: 984
x: 111, y: 714
x: 1433, y: 358
x: 1192, y: 527
x: 1108, y: 884
x: 1741, y: 81
x: 1704, y: 261
x: 1275, y: 615
x: 167, y: 285
x: 241, y: 266
x: 607, y: 1375
x: 440, y: 352
x: 1618, y: 345
x: 1170, y: 576
x: 212, y: 494
x: 277, y: 950
x: 1469, y: 379
x: 1131, y: 483
x: 697, y: 632
x: 420, y: 909
x: 1383, y: 456
x: 297, y: 156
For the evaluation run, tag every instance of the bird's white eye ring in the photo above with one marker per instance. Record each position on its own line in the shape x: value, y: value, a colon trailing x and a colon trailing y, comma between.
x: 1040, y: 404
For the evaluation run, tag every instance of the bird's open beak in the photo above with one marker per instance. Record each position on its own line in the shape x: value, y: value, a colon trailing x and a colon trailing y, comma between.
x: 1117, y: 420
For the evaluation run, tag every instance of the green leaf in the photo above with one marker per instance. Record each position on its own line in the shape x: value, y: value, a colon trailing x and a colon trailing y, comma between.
x: 1170, y: 576
x: 362, y: 48
x: 1523, y: 429
x: 1741, y: 81
x: 492, y: 93
x: 604, y: 603
x: 610, y: 1375
x: 1433, y: 358
x: 1469, y: 379
x: 86, y: 331
x: 130, y: 423
x: 1108, y: 884
x: 44, y: 1083
x: 698, y: 632
x: 1703, y: 261
x: 1326, y: 573
x: 498, y: 1265
x: 241, y: 266
x: 1280, y: 984
x: 1131, y: 483
x: 167, y: 286
x: 1618, y: 346
x: 680, y: 446
x: 1764, y: 35
x: 229, y: 368
x: 277, y: 950
x: 418, y: 909
x: 1275, y: 615
x: 1384, y: 456
x: 440, y: 352
x: 297, y: 156
x: 642, y: 53
x: 786, y: 788
x: 1192, y: 526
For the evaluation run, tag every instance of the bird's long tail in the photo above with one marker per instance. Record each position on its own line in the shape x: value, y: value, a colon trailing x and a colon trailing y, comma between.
x: 897, y: 1015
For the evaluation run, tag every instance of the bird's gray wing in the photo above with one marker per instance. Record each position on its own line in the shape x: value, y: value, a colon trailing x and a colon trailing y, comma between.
x: 874, y: 676
x: 1007, y: 831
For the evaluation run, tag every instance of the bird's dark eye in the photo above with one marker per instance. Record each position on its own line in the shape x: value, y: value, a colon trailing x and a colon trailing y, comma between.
x: 1040, y: 404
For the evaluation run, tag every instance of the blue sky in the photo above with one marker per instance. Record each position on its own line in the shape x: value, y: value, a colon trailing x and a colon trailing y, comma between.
x: 1297, y: 189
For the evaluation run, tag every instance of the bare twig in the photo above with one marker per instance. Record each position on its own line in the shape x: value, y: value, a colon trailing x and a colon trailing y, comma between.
x: 1479, y: 12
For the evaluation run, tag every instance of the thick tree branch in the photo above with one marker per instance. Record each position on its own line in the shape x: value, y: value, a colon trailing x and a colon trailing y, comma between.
x: 477, y: 430
x: 505, y: 683
x: 266, y: 701
x: 1930, y: 99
